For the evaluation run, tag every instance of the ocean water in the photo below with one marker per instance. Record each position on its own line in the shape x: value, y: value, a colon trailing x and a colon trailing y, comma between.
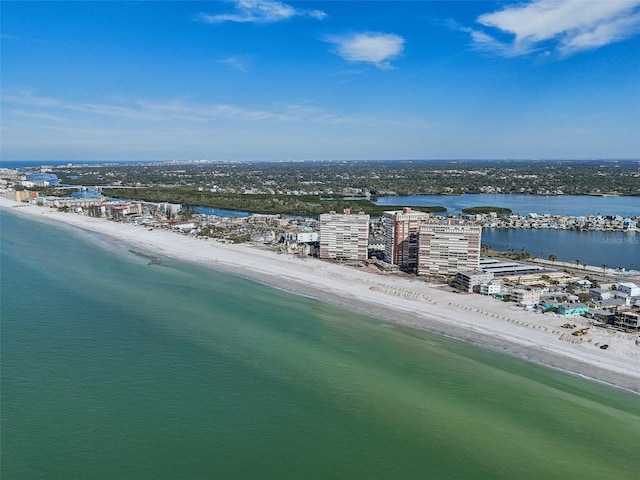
x: 115, y: 369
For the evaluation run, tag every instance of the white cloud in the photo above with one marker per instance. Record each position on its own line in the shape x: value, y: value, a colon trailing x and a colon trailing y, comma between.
x: 144, y: 110
x: 370, y: 47
x: 236, y: 62
x: 52, y: 113
x: 38, y: 115
x: 260, y: 11
x: 571, y: 25
x: 36, y: 126
x: 610, y: 32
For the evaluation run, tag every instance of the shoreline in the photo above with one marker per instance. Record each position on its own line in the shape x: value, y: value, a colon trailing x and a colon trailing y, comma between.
x: 402, y: 301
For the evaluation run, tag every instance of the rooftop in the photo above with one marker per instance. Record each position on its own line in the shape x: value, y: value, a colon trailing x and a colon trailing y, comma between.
x: 503, y: 268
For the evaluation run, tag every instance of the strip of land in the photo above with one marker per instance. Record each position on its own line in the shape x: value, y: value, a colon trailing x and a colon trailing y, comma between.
x: 400, y: 300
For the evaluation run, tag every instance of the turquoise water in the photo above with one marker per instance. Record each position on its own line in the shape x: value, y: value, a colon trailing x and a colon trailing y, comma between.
x: 115, y: 369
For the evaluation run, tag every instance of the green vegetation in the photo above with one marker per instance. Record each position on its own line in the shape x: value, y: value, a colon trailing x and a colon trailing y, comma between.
x: 307, y: 205
x: 241, y: 238
x: 375, y: 178
x: 482, y: 210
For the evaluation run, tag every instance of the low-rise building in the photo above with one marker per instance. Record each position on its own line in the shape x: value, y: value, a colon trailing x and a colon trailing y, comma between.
x: 546, y: 305
x: 571, y: 309
x: 298, y: 236
x: 119, y: 211
x: 629, y: 288
x: 525, y: 297
x: 470, y: 280
x: 601, y: 316
x: 20, y: 195
x: 509, y: 269
x: 490, y: 288
x: 611, y: 303
x: 73, y: 203
x: 629, y: 319
x: 600, y: 293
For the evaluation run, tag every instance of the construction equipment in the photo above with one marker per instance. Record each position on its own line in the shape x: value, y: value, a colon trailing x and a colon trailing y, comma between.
x: 581, y: 332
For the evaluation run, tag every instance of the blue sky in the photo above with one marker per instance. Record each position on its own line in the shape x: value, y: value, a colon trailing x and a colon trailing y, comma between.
x: 267, y: 80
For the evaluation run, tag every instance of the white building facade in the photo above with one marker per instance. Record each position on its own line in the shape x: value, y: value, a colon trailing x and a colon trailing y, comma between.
x: 296, y: 236
x: 447, y: 249
x: 470, y: 280
x: 490, y: 288
x: 629, y: 288
x: 344, y: 236
x: 525, y: 297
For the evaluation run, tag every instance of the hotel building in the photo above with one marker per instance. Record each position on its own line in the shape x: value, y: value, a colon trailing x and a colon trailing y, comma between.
x: 401, y: 229
x: 344, y: 236
x: 446, y: 249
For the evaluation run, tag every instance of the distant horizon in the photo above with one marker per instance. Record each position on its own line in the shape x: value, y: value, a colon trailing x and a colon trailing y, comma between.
x: 273, y: 80
x: 399, y: 160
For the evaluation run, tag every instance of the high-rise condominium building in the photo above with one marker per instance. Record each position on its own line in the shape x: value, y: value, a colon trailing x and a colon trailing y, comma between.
x: 344, y: 236
x: 446, y: 249
x: 401, y: 229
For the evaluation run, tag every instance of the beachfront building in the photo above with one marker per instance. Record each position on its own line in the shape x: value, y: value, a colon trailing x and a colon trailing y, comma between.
x: 571, y: 309
x: 629, y: 319
x: 470, y: 280
x: 490, y: 288
x: 344, y: 236
x: 301, y: 236
x: 447, y: 249
x: 75, y: 204
x: 118, y: 211
x: 523, y: 296
x: 20, y: 195
x: 401, y: 231
x: 601, y: 316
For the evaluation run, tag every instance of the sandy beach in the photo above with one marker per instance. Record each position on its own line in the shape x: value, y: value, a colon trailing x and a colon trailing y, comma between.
x: 399, y: 300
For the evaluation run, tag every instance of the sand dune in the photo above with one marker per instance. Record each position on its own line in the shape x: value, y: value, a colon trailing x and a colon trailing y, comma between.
x: 399, y: 300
